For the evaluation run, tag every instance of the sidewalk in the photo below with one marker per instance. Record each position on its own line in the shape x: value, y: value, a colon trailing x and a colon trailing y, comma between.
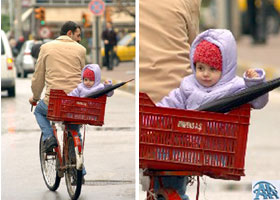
x: 266, y: 56
x: 124, y: 72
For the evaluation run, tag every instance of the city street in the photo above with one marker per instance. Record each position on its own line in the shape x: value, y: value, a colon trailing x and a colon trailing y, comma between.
x: 109, y: 151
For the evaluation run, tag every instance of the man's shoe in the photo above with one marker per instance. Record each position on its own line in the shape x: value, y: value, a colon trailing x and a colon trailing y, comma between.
x: 49, y: 144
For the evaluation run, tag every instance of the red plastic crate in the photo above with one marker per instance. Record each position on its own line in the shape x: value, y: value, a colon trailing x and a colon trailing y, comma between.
x: 75, y: 109
x: 207, y: 143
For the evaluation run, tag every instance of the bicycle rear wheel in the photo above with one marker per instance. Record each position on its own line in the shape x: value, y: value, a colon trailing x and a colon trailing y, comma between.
x: 73, y: 177
x: 49, y: 164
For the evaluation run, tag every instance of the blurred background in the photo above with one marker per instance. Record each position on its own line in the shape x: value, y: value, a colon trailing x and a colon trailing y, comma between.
x: 255, y: 25
x: 27, y: 21
x: 240, y: 16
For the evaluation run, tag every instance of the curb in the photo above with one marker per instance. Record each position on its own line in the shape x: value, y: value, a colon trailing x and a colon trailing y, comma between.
x: 128, y: 87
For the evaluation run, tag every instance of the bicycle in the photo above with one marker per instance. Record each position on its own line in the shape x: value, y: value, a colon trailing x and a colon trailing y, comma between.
x: 176, y: 142
x: 68, y: 160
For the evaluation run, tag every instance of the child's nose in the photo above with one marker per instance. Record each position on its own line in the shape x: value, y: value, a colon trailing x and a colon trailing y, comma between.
x: 205, y: 73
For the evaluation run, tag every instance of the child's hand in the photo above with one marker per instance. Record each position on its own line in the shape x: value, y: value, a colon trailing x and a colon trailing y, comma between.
x: 107, y: 82
x: 251, y: 73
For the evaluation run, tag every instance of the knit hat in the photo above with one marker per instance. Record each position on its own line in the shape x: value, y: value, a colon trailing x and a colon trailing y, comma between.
x: 208, y: 53
x: 89, y: 74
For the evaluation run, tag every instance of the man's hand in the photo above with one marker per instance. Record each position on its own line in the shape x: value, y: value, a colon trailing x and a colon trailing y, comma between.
x: 106, y: 41
x: 32, y: 101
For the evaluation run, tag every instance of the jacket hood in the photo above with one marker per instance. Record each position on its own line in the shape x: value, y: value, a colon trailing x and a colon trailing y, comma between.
x: 225, y: 41
x: 97, y: 73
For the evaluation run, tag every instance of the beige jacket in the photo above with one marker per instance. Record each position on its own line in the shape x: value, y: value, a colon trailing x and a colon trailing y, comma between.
x: 59, y: 66
x: 167, y: 29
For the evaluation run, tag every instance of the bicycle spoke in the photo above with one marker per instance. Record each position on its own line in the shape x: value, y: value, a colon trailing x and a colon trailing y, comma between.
x: 49, y: 168
x: 73, y: 177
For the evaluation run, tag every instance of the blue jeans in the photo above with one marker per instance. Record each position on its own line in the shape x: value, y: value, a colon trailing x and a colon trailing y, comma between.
x: 179, y: 183
x: 40, y: 113
x: 45, y: 125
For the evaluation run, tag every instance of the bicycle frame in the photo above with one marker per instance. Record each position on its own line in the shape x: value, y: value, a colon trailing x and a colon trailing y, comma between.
x: 64, y: 154
x: 67, y: 158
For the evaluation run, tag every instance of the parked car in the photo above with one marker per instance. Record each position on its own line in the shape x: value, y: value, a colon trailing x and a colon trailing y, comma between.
x: 8, y: 71
x: 125, y: 49
x: 24, y: 61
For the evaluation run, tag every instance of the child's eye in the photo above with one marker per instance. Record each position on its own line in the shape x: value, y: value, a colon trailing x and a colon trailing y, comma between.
x: 213, y: 69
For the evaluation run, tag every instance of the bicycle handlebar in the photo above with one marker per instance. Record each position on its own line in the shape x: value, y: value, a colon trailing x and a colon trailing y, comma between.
x: 33, y: 104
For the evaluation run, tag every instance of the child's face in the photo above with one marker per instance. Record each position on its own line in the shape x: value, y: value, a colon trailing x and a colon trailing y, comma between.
x: 207, y: 75
x: 88, y: 83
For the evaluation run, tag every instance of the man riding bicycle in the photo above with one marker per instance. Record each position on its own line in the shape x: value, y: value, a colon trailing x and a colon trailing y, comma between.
x: 59, y: 66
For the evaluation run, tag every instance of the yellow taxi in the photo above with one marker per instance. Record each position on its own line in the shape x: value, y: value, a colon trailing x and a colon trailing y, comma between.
x: 125, y: 49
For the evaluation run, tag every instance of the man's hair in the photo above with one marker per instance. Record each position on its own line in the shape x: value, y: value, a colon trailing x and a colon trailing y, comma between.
x: 37, y: 37
x: 69, y: 26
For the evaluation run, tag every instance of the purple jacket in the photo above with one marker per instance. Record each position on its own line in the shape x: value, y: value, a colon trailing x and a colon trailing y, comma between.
x: 191, y: 95
x: 83, y: 91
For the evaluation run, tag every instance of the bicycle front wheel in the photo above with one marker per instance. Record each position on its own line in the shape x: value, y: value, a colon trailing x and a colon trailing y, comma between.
x: 49, y: 164
x: 73, y: 177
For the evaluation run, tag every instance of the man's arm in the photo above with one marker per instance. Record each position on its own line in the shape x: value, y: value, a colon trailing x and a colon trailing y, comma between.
x: 83, y: 57
x: 38, y: 79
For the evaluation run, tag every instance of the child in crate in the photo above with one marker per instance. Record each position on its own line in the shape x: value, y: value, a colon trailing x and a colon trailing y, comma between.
x: 213, y: 59
x: 91, y: 82
x: 214, y: 62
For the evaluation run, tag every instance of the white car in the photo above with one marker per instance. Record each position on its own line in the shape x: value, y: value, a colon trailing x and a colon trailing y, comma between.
x: 25, y: 62
x: 8, y: 71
